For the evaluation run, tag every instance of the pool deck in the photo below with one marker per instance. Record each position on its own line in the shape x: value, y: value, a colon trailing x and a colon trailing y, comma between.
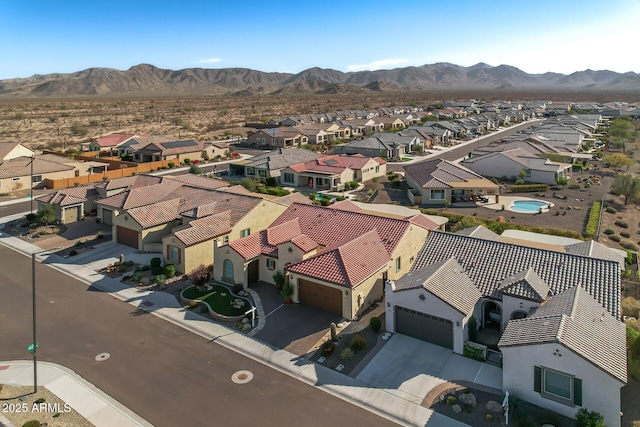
x: 507, y: 201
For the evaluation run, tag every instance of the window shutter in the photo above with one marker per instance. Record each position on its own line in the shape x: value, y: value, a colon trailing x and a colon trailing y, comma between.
x: 168, y: 252
x: 577, y: 391
x: 179, y: 256
x: 537, y: 377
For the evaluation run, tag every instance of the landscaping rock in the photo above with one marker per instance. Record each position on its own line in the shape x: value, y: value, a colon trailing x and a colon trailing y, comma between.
x: 456, y: 408
x: 493, y: 406
x: 245, y: 321
x: 468, y: 399
x: 145, y: 281
x: 246, y: 327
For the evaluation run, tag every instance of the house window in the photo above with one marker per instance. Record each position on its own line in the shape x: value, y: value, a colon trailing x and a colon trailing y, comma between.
x: 262, y: 173
x: 227, y: 269
x: 398, y: 264
x: 225, y: 240
x: 288, y: 177
x: 377, y: 169
x: 245, y: 232
x: 15, y: 178
x: 263, y: 140
x: 36, y: 178
x: 437, y: 194
x: 558, y: 386
x: 173, y: 253
x: 251, y: 171
x: 271, y: 263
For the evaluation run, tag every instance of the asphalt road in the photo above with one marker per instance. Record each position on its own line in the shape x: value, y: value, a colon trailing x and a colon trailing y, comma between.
x: 164, y: 373
x: 460, y: 152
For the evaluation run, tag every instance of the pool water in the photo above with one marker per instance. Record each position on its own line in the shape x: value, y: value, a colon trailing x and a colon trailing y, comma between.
x: 528, y: 206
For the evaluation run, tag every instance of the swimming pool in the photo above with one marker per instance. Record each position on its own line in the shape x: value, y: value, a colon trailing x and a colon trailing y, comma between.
x: 528, y: 206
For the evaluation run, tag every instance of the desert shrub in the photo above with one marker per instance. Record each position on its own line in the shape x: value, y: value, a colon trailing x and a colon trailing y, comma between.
x: 200, y: 274
x: 586, y: 418
x: 630, y: 307
x: 622, y: 224
x: 237, y: 288
x: 155, y: 262
x: 609, y: 231
x: 614, y: 238
x: 187, y: 161
x: 629, y: 245
x: 73, y: 253
x: 592, y: 223
x: 358, y: 343
x: 32, y: 423
x: 171, y: 165
x: 271, y: 182
x: 488, y: 417
x: 625, y: 234
x: 122, y: 268
x: 451, y: 400
x: 160, y: 279
x: 375, y: 323
x: 156, y: 270
x: 30, y: 217
x: 527, y: 188
x: 327, y: 348
x: 347, y: 354
x: 169, y: 270
x: 473, y: 328
x: 610, y: 209
x: 138, y: 275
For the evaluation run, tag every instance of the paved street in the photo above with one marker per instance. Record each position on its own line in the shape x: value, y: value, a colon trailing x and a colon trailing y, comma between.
x: 165, y: 374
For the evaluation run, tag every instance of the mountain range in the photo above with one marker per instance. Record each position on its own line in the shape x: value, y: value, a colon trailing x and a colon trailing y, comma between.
x: 146, y: 80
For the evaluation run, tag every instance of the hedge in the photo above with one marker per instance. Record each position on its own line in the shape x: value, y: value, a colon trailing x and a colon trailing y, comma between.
x: 527, y: 188
x: 473, y: 352
x: 592, y: 223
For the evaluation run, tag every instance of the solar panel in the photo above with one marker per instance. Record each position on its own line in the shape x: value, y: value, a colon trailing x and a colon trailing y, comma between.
x: 176, y: 144
x: 331, y: 162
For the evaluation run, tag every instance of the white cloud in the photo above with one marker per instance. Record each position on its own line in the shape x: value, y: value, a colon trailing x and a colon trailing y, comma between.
x: 209, y: 60
x: 376, y: 65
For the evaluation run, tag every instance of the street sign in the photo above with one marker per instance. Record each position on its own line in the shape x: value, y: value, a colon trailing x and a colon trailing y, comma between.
x: 31, y: 348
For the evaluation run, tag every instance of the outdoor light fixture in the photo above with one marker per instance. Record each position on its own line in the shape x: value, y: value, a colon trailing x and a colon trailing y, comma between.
x: 422, y: 297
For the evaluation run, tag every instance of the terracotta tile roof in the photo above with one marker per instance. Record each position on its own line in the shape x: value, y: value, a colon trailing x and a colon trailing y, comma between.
x: 130, y: 182
x: 156, y: 214
x: 266, y: 241
x: 422, y: 221
x: 21, y: 166
x: 68, y: 196
x: 446, y: 280
x: 203, y: 229
x: 283, y: 232
x: 304, y: 243
x: 346, y: 263
x: 576, y: 320
x: 141, y: 196
x: 335, y: 163
x: 345, y: 205
x: 114, y: 139
x: 488, y: 263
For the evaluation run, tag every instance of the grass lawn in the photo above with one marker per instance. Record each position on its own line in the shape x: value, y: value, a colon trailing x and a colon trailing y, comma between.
x: 219, y: 299
x: 406, y: 159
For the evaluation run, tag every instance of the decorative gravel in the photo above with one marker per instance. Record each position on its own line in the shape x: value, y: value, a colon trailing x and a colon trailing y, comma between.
x: 12, y: 406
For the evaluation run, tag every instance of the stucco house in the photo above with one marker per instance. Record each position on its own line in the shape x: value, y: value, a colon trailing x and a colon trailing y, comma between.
x: 20, y: 172
x: 332, y: 172
x: 435, y: 182
x: 511, y: 163
x: 11, y: 150
x: 385, y: 145
x: 109, y: 142
x: 557, y: 316
x: 271, y: 164
x: 335, y: 259
x: 282, y: 137
x: 71, y: 204
x: 170, y: 150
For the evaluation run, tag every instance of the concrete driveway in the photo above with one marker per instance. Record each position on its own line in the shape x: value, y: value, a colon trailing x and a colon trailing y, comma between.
x: 292, y: 327
x: 409, y: 368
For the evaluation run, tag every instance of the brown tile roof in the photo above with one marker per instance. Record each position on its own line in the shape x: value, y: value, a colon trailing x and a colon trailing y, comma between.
x: 21, y: 166
x: 156, y: 214
x: 235, y: 189
x: 422, y: 221
x: 203, y: 229
x: 345, y: 205
x: 198, y: 181
x: 141, y: 196
x: 346, y: 263
x: 68, y: 196
x: 440, y: 173
x: 165, y: 148
x: 6, y: 147
x: 114, y: 139
x: 335, y: 163
x: 576, y: 320
x: 289, y: 199
x: 130, y: 182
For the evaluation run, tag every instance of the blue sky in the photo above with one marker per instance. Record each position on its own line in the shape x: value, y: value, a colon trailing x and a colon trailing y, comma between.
x: 41, y: 37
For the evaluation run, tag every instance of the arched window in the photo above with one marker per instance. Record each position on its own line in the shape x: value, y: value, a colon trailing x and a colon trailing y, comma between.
x: 227, y: 269
x: 518, y: 314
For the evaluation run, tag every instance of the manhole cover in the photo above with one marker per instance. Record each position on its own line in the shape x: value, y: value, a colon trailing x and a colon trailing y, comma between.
x: 102, y: 357
x: 242, y: 377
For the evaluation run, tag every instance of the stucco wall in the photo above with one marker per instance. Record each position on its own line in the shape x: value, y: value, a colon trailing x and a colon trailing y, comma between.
x: 407, y: 248
x: 371, y: 173
x: 258, y: 219
x: 511, y: 304
x: 600, y: 391
x: 155, y: 234
x: 225, y: 252
x: 432, y: 305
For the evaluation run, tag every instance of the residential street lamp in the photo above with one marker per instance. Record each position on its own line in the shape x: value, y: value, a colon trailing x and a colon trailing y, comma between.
x: 33, y: 348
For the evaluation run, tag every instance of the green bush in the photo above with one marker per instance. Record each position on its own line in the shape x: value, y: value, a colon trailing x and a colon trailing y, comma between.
x: 32, y: 423
x: 122, y: 268
x: 473, y: 353
x: 187, y: 161
x: 155, y: 262
x: 527, y: 188
x: 586, y: 418
x: 145, y: 268
x: 473, y: 328
x: 625, y: 234
x: 169, y: 270
x: 171, y: 165
x: 609, y: 231
x: 39, y: 401
x: 611, y: 209
x: 237, y: 287
x: 375, y: 324
x: 156, y: 270
x: 451, y: 400
x: 488, y: 417
x: 347, y: 354
x: 271, y: 182
x: 30, y: 217
x: 614, y: 238
x: 160, y: 279
x: 138, y: 275
x: 592, y: 223
x: 358, y: 343
x: 621, y: 224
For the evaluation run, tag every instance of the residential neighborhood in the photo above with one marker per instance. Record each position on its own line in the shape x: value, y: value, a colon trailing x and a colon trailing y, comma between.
x: 344, y: 216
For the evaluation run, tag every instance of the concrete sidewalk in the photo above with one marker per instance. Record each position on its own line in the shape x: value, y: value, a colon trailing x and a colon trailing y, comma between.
x: 89, y: 401
x: 165, y: 306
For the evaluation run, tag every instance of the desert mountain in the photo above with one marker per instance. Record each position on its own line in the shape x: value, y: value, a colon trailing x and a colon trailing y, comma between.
x: 145, y: 80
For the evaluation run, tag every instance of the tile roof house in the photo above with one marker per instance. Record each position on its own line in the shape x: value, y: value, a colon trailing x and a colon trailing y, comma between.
x: 435, y: 182
x: 170, y: 150
x: 71, y: 204
x: 20, y: 172
x: 384, y: 145
x: 109, y: 142
x: 282, y: 137
x: 271, y: 164
x: 11, y: 150
x: 563, y: 346
x: 333, y: 171
x: 511, y: 163
x: 320, y: 250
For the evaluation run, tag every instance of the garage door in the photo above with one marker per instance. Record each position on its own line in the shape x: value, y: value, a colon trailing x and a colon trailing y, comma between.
x: 435, y: 330
x: 127, y: 237
x: 317, y: 295
x: 70, y: 215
